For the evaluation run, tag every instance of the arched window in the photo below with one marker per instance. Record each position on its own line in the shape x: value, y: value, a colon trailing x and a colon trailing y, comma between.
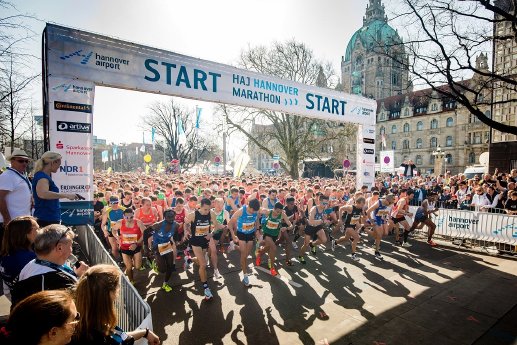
x: 448, y: 158
x: 450, y: 122
x: 406, y: 127
x: 420, y: 126
x: 472, y: 158
x: 418, y: 160
x: 405, y: 144
x: 448, y: 141
x: 434, y: 123
x: 419, y: 143
x: 393, y: 129
x: 383, y: 130
x: 393, y: 145
x: 434, y: 142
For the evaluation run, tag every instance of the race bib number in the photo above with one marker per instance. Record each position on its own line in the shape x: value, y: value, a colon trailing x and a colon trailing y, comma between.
x: 164, y: 248
x: 272, y: 225
x: 248, y: 226
x: 384, y: 212
x: 354, y: 220
x: 129, y: 238
x: 202, y: 230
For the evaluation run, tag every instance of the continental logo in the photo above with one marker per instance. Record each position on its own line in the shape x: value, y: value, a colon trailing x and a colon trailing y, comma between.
x: 368, y: 151
x: 78, y: 107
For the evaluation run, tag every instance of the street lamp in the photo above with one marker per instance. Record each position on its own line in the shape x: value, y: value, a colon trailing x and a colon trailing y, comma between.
x: 439, y: 155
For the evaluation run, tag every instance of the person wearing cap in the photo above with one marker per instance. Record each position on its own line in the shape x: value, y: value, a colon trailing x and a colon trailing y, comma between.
x: 15, y: 190
x: 47, y: 208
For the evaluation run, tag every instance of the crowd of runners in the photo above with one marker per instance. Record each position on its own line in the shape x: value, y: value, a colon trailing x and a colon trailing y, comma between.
x: 162, y: 221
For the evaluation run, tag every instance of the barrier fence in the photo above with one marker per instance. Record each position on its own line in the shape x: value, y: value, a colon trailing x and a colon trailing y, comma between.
x: 489, y: 230
x: 133, y: 312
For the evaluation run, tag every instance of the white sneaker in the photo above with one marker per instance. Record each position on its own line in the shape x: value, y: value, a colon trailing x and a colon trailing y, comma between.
x: 333, y: 245
x: 217, y: 275
x: 355, y: 257
x: 406, y: 244
x: 231, y: 247
x: 246, y: 280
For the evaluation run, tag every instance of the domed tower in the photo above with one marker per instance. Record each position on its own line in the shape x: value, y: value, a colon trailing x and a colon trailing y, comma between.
x: 371, y: 66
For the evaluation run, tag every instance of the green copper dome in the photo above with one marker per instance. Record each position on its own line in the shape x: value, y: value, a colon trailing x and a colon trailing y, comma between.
x: 375, y: 33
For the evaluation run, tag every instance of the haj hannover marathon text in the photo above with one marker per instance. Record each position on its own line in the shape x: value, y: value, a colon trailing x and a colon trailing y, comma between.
x: 314, y: 101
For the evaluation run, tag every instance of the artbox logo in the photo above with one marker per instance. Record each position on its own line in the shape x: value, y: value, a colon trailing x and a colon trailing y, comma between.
x: 76, y: 127
x: 101, y: 60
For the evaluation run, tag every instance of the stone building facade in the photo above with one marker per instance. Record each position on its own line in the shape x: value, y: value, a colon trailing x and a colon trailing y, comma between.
x: 371, y: 65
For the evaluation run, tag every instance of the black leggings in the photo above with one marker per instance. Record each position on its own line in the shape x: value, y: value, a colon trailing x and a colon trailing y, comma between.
x: 165, y: 264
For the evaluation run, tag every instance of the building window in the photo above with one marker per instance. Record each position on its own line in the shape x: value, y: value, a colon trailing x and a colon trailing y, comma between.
x: 448, y: 141
x: 472, y: 158
x: 383, y: 130
x: 474, y: 119
x: 393, y: 129
x: 406, y: 112
x: 434, y: 107
x: 393, y: 145
x: 419, y: 143
x: 434, y: 124
x: 431, y: 160
x: 405, y: 144
x: 448, y: 158
x: 434, y: 142
x: 420, y: 126
x: 418, y: 160
x: 450, y: 122
x: 477, y: 138
x: 406, y: 127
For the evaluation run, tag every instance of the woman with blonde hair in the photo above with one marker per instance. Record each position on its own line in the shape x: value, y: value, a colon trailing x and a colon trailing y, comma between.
x: 95, y: 296
x: 45, y: 192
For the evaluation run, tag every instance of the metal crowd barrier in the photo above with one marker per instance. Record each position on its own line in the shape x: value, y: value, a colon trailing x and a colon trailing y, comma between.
x: 133, y: 311
x: 492, y: 231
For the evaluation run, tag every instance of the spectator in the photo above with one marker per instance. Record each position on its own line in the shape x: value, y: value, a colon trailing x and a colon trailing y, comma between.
x: 15, y: 190
x: 45, y: 192
x: 511, y: 204
x: 47, y: 317
x: 409, y: 168
x: 49, y: 271
x: 95, y: 297
x: 494, y: 206
x: 466, y: 204
x: 479, y: 200
x: 16, y: 249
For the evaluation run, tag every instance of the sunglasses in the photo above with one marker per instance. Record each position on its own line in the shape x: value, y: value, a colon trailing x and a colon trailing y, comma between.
x: 63, y: 235
x: 129, y: 217
x: 76, y: 319
x: 25, y: 161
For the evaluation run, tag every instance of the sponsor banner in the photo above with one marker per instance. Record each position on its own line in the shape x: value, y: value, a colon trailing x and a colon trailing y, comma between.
x: 387, y: 159
x: 81, y: 55
x: 491, y: 227
x: 70, y: 133
x: 77, y: 212
x: 365, y: 156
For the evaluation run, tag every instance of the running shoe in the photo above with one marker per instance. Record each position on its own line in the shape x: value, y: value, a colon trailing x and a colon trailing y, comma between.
x: 333, y: 245
x: 217, y: 275
x: 154, y: 266
x: 302, y: 260
x: 398, y: 243
x: 231, y: 247
x: 269, y: 263
x: 289, y: 263
x: 186, y: 263
x: 166, y: 287
x: 313, y: 249
x: 273, y: 271
x: 295, y: 246
x: 406, y: 244
x: 246, y: 280
x: 355, y: 257
x: 432, y: 243
x: 258, y: 260
x: 208, y: 294
x: 142, y: 268
x: 378, y: 255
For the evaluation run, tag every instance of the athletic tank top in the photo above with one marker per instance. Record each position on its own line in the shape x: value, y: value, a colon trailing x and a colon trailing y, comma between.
x: 201, y: 224
x: 129, y: 235
x: 147, y: 219
x: 272, y: 224
x: 271, y: 205
x: 114, y: 215
x: 128, y: 204
x: 162, y: 236
x: 236, y: 201
x: 381, y: 211
x: 246, y: 222
x: 351, y: 219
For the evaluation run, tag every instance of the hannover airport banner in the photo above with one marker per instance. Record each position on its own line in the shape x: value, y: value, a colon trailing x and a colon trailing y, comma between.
x: 75, y: 61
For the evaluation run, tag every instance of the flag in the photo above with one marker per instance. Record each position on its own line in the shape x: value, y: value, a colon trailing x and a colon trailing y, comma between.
x: 383, y: 140
x: 136, y: 150
x: 109, y: 170
x: 182, y: 137
x: 147, y: 168
x: 198, y: 116
x: 115, y: 151
x: 159, y: 168
x: 153, y: 131
x: 104, y: 156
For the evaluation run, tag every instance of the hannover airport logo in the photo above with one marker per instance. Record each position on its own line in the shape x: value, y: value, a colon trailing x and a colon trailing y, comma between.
x: 84, y: 57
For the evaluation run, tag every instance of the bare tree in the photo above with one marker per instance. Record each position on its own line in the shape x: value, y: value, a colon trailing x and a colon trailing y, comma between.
x: 444, y: 38
x: 296, y: 137
x: 167, y: 118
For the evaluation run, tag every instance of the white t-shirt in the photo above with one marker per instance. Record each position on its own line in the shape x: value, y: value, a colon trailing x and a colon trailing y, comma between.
x: 19, y: 197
